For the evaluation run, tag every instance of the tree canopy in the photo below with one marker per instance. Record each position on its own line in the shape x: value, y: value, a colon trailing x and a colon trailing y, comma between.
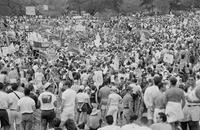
x: 17, y: 7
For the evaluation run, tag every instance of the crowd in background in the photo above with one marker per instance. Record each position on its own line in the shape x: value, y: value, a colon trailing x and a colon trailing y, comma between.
x: 82, y: 72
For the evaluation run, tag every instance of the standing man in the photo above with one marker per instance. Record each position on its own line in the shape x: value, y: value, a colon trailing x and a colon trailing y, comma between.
x: 127, y: 105
x: 149, y: 95
x: 68, y: 103
x: 159, y: 102
x: 193, y: 107
x: 48, y: 103
x: 26, y: 106
x: 15, y: 116
x: 4, y: 105
x: 114, y: 101
x: 175, y: 100
x: 103, y: 94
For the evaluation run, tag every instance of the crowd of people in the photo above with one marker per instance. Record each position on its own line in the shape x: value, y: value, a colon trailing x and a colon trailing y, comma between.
x: 89, y: 73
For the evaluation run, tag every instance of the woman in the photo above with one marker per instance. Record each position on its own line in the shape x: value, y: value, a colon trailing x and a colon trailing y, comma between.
x: 82, y: 101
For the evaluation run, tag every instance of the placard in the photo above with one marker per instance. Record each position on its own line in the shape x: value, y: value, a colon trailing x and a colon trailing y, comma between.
x: 30, y: 10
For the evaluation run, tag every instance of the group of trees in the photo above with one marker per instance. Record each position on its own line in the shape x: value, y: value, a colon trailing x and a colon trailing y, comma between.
x: 17, y: 7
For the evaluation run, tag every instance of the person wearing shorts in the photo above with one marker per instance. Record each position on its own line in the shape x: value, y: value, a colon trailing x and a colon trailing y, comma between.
x: 48, y: 102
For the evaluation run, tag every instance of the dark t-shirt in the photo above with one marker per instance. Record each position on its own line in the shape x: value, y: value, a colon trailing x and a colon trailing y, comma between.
x: 58, y: 128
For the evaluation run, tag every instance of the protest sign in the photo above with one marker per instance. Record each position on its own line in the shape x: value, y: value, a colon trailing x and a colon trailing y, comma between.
x: 168, y: 58
x: 45, y: 7
x: 30, y: 10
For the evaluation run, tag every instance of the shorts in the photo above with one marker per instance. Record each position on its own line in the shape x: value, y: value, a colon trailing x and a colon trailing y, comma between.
x: 27, y: 118
x: 68, y: 113
x: 4, y: 119
x: 15, y: 117
x: 48, y: 116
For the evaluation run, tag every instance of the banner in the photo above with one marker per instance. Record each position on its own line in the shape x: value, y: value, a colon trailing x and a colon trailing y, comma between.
x: 45, y: 7
x: 30, y: 10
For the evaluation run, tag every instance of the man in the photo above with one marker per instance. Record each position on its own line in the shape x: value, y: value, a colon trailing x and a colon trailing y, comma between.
x: 103, y: 96
x: 110, y: 126
x: 5, y: 103
x: 132, y: 125
x: 114, y: 101
x: 150, y: 94
x: 161, y: 123
x: 26, y: 106
x: 193, y: 107
x: 48, y: 103
x: 127, y: 105
x: 68, y: 103
x: 175, y: 100
x: 15, y: 116
x: 159, y: 102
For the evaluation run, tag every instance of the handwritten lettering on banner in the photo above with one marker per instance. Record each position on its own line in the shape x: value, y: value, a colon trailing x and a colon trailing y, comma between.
x: 168, y: 58
x: 30, y: 10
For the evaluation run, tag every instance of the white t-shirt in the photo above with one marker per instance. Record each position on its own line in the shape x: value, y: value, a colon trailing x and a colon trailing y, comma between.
x: 5, y: 100
x: 130, y: 127
x: 47, y: 100
x: 39, y: 76
x: 144, y: 128
x: 110, y: 127
x: 82, y: 97
x: 69, y: 95
x: 14, y: 99
x: 114, y: 99
x: 26, y: 104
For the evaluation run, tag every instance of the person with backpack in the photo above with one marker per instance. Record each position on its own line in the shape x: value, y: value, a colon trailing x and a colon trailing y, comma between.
x: 15, y: 116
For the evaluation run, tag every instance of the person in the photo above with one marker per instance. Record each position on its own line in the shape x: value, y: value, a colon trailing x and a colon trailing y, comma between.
x: 94, y: 119
x: 5, y: 103
x: 144, y: 124
x: 192, y: 107
x: 48, y: 103
x: 161, y: 123
x: 82, y: 99
x: 56, y: 124
x: 132, y: 125
x: 15, y: 116
x: 110, y: 125
x: 26, y: 106
x: 175, y: 100
x: 114, y: 101
x: 103, y: 96
x: 127, y: 102
x: 159, y: 102
x: 149, y: 95
x: 76, y: 84
x: 70, y: 125
x: 68, y: 103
